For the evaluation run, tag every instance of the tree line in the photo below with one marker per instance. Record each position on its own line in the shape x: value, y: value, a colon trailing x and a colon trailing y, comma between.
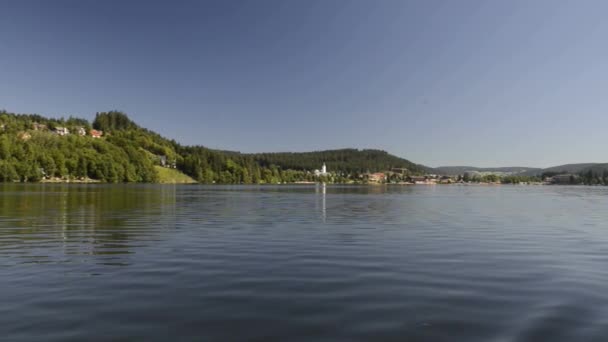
x: 30, y: 151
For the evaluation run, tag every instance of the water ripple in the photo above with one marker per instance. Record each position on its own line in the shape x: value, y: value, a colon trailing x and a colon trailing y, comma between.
x: 441, y: 263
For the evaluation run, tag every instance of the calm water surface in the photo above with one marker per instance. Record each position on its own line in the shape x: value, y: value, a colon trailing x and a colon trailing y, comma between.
x: 300, y: 263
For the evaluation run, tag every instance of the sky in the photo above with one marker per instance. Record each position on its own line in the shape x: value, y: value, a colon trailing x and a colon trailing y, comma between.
x: 481, y: 83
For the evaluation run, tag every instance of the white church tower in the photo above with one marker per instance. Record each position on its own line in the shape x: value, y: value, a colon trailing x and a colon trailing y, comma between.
x: 321, y: 172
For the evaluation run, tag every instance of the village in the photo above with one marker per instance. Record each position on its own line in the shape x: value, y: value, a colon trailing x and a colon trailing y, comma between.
x: 393, y: 176
x: 403, y: 176
x: 59, y: 130
x: 397, y: 176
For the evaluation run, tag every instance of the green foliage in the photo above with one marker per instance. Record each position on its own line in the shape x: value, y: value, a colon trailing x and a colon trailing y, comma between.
x: 594, y: 175
x: 113, y: 120
x: 30, y: 151
x: 517, y: 179
x: 47, y: 155
x: 172, y: 176
x: 350, y: 161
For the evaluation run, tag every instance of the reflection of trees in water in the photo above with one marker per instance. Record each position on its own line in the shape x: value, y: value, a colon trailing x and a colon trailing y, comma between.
x: 82, y: 219
x: 111, y: 221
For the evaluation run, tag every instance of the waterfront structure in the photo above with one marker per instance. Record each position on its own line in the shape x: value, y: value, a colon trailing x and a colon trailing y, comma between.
x: 417, y: 179
x: 377, y: 177
x: 322, y: 172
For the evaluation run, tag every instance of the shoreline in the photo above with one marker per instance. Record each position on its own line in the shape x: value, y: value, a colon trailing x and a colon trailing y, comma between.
x: 67, y: 181
x: 94, y: 181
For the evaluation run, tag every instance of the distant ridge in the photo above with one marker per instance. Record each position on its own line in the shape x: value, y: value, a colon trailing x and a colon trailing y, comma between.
x: 568, y: 168
x: 349, y: 160
x: 458, y: 170
x: 577, y: 168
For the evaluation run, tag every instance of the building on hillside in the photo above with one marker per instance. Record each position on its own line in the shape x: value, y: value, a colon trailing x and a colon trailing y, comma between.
x: 162, y: 160
x: 81, y: 131
x: 96, y: 134
x: 322, y: 172
x: 165, y: 162
x: 62, y: 131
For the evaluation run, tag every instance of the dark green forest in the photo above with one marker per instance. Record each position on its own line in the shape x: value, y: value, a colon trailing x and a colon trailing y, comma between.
x: 31, y: 151
x: 349, y: 161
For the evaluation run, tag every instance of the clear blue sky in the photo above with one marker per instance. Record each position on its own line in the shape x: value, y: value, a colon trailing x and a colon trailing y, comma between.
x: 485, y: 83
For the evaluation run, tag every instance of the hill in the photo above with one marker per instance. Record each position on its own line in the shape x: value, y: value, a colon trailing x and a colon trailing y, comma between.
x: 459, y: 170
x: 588, y: 173
x: 345, y: 160
x: 33, y: 147
x: 566, y: 168
x: 115, y: 149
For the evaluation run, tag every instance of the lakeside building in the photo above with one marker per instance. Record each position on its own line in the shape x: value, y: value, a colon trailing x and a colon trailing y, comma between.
x: 322, y: 172
x: 81, y: 131
x: 378, y: 177
x: 427, y: 179
x: 417, y: 179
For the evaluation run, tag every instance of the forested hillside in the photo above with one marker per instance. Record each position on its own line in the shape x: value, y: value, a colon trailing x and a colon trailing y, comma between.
x: 346, y: 160
x: 115, y: 149
x: 566, y: 168
x: 30, y: 150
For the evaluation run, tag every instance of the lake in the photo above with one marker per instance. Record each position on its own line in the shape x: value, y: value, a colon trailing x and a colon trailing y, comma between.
x: 303, y: 263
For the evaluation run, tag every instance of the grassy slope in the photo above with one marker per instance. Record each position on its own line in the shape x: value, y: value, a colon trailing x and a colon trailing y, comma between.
x: 172, y: 176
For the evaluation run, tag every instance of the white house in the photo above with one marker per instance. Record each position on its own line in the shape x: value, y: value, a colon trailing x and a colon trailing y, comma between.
x: 62, y: 131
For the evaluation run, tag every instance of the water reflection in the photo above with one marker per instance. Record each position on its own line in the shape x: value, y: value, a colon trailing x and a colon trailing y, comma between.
x: 321, y: 191
x: 318, y: 262
x: 55, y: 221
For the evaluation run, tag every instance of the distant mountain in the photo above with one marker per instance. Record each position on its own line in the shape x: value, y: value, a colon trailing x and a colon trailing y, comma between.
x: 347, y: 160
x: 566, y: 168
x: 458, y: 170
x: 596, y: 168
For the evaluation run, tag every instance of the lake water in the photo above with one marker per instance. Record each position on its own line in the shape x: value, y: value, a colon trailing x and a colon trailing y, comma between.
x: 303, y: 263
